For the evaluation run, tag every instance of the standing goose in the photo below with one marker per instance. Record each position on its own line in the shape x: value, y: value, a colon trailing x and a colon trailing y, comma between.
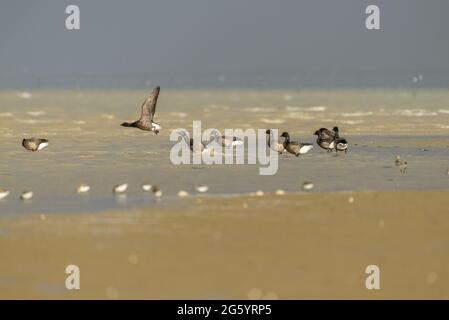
x: 195, y: 146
x: 295, y: 148
x: 325, y: 139
x: 340, y: 144
x: 274, y: 145
x: 146, y: 118
x: 34, y: 144
x: 226, y: 141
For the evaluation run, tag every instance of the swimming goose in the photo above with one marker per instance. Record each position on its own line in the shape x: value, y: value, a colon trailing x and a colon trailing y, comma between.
x: 340, y: 143
x: 34, y: 144
x: 401, y: 164
x: 146, y: 117
x: 325, y: 139
x: 274, y: 145
x: 295, y: 148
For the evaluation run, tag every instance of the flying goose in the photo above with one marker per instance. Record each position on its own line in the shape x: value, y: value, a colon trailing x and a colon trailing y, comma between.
x: 295, y: 148
x: 274, y: 145
x: 340, y: 143
x: 34, y: 144
x: 146, y: 118
x: 325, y: 139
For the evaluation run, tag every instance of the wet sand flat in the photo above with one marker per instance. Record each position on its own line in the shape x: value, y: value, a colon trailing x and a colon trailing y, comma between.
x: 287, y: 247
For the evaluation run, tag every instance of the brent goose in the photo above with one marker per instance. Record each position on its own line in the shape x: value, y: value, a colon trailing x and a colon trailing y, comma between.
x: 401, y: 164
x: 225, y: 141
x: 340, y: 143
x: 325, y: 139
x: 146, y: 117
x: 274, y: 145
x: 34, y: 144
x: 195, y: 146
x: 295, y: 148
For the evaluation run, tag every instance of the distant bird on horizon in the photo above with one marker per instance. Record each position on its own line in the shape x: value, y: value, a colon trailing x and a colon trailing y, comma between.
x: 34, y: 144
x: 294, y: 147
x: 274, y: 145
x: 146, y: 117
x: 325, y: 139
x: 401, y: 164
x: 340, y: 144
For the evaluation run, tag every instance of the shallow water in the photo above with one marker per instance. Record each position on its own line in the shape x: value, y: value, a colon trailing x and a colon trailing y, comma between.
x: 87, y: 144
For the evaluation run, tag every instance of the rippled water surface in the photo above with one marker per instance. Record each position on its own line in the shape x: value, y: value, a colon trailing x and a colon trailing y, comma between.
x: 87, y: 144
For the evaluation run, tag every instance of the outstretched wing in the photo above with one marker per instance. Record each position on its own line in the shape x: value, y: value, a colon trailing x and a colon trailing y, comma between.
x: 149, y: 106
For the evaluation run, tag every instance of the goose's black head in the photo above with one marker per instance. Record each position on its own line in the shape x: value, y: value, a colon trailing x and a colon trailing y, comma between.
x: 285, y: 135
x: 335, y: 129
x: 268, y: 131
x: 317, y: 133
x: 126, y: 124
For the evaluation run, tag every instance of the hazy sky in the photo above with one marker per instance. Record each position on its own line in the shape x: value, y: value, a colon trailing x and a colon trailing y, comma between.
x: 223, y: 42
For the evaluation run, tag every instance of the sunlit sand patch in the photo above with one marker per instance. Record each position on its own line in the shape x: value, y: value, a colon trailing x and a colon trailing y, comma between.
x: 443, y: 111
x: 357, y: 114
x: 442, y: 126
x: 416, y: 113
x: 78, y: 122
x: 259, y: 109
x: 106, y: 116
x: 36, y: 113
x: 299, y: 115
x: 352, y: 122
x: 24, y: 95
x: 216, y: 107
x: 178, y: 114
x: 6, y: 115
x: 272, y: 121
x: 317, y: 108
x: 33, y: 121
x: 309, y: 109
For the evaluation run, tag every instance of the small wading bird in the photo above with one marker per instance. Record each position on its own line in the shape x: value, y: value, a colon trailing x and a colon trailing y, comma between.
x: 34, y: 144
x: 401, y: 164
x: 294, y: 147
x: 146, y: 117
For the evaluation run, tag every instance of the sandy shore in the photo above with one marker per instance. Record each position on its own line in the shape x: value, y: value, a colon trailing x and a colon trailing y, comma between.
x: 287, y: 247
